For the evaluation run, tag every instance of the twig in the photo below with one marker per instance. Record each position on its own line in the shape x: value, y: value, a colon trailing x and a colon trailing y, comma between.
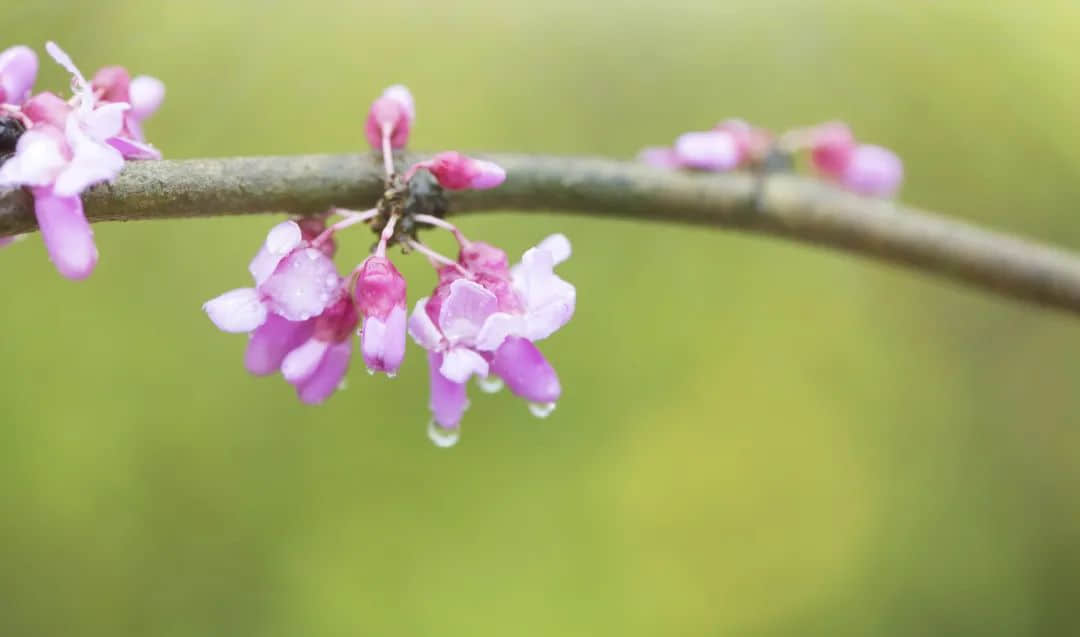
x: 787, y: 206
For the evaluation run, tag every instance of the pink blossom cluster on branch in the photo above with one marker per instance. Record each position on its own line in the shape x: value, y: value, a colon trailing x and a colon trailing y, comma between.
x: 58, y: 148
x: 834, y: 153
x: 481, y: 321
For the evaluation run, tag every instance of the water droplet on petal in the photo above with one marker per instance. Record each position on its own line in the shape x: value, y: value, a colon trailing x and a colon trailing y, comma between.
x: 370, y: 372
x: 490, y: 385
x: 342, y: 386
x: 442, y: 437
x: 541, y: 410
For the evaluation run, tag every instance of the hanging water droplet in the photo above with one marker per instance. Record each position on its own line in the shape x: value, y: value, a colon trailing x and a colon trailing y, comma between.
x: 490, y: 384
x: 370, y: 372
x: 343, y: 385
x: 391, y: 374
x: 442, y: 438
x: 541, y: 410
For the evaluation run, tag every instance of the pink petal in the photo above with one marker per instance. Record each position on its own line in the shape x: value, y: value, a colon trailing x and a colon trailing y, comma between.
x: 460, y: 363
x: 380, y: 288
x: 832, y: 147
x: 18, y: 70
x: 67, y: 235
x: 526, y: 372
x: 302, y: 362
x: 147, y: 94
x: 280, y: 241
x: 132, y: 149
x: 303, y: 285
x: 448, y: 400
x: 383, y: 343
x: 488, y: 175
x: 402, y: 95
x: 327, y: 378
x: 422, y: 329
x: 113, y: 83
x: 39, y: 158
x: 465, y: 310
x: 47, y: 108
x: 873, y: 171
x: 239, y: 310
x: 105, y: 121
x: 709, y: 150
x: 272, y: 341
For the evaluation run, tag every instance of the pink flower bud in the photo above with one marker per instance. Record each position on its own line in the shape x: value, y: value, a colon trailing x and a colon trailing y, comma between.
x: 47, y: 108
x: 112, y: 83
x: 380, y: 296
x: 710, y: 150
x: 391, y: 114
x: 18, y: 70
x: 455, y: 171
x: 831, y: 148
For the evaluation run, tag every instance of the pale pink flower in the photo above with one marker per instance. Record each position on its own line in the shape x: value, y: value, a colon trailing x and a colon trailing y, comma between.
x: 317, y: 366
x: 455, y: 171
x: 715, y: 150
x: 485, y: 325
x: 293, y: 279
x: 862, y: 168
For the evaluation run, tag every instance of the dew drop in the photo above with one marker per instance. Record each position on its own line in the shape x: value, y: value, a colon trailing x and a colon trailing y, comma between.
x: 391, y: 374
x: 370, y: 372
x: 541, y: 410
x: 490, y: 385
x: 442, y: 438
x: 343, y: 385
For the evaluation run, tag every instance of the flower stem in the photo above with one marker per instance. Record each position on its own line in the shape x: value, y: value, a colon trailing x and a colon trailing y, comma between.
x: 444, y: 224
x: 436, y: 258
x: 351, y: 219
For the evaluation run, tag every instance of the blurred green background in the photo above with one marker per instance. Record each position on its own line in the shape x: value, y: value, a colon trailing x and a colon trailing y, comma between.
x: 756, y: 438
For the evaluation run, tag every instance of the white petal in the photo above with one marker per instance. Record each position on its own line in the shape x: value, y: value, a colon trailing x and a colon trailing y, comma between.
x: 460, y: 363
x: 38, y: 159
x: 106, y: 121
x: 283, y: 238
x: 238, y: 310
x: 302, y: 362
x: 496, y: 328
x: 422, y: 329
x: 559, y: 247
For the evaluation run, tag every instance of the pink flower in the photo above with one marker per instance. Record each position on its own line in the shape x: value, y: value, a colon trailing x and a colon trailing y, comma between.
x: 380, y: 297
x: 715, y: 150
x: 317, y: 366
x: 751, y: 142
x: 455, y: 171
x: 391, y: 117
x: 487, y: 324
x: 18, y: 70
x: 67, y: 150
x: 862, y: 168
x: 293, y: 279
x: 144, y: 94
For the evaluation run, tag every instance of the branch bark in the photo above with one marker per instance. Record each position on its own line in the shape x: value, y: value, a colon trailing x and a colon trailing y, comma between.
x: 783, y: 205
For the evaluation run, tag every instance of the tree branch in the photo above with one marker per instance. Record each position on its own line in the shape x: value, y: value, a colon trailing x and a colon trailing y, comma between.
x: 783, y: 205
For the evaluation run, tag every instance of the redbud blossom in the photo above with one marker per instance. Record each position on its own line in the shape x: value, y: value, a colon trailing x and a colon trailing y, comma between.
x: 380, y: 298
x: 715, y: 150
x: 455, y: 171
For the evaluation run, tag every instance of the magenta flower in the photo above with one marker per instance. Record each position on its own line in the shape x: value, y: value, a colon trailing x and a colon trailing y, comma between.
x: 862, y: 168
x: 380, y: 297
x: 390, y: 118
x: 485, y: 325
x: 317, y: 366
x: 18, y: 70
x: 455, y: 171
x: 144, y: 94
x: 293, y: 279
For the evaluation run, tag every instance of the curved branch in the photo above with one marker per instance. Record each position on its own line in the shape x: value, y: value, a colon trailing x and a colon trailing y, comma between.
x: 783, y: 205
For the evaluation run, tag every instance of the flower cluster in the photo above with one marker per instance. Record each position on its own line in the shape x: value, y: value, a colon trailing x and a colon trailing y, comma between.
x: 58, y: 148
x: 482, y: 319
x: 834, y: 154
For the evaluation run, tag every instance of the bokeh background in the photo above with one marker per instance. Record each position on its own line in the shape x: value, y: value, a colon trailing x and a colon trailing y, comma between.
x: 757, y: 438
